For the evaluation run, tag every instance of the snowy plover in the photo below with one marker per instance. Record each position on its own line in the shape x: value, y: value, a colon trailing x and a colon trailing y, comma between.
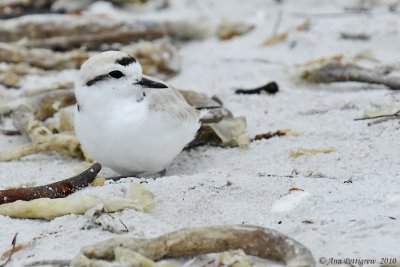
x: 132, y: 123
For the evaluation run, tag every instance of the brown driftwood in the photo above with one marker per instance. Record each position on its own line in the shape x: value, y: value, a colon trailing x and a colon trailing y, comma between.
x: 337, y: 72
x: 64, y: 32
x: 253, y: 240
x: 55, y: 190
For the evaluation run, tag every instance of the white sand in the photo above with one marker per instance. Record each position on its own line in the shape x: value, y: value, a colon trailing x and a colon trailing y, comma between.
x: 348, y: 219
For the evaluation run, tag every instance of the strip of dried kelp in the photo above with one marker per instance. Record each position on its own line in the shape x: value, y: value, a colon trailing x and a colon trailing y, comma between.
x: 55, y: 190
x: 253, y: 240
x: 337, y: 72
x: 269, y: 88
x: 42, y: 58
x: 46, y: 208
x: 306, y: 151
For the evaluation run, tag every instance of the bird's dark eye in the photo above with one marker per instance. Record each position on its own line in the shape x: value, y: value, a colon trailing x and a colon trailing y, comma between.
x: 116, y: 74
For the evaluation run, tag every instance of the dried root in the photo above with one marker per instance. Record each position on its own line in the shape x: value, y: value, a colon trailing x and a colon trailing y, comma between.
x: 253, y: 240
x: 55, y: 190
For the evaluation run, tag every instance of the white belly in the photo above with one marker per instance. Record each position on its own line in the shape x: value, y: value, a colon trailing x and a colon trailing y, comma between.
x: 131, y: 140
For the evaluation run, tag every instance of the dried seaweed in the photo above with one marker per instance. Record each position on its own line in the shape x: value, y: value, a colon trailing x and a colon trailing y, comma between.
x: 253, y: 240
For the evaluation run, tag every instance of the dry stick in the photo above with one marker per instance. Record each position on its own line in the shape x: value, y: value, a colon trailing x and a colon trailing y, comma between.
x: 13, y: 243
x: 253, y: 240
x: 55, y: 190
x: 337, y: 72
x: 394, y: 115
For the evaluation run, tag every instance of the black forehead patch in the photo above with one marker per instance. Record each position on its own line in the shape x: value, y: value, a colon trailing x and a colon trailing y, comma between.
x: 125, y: 61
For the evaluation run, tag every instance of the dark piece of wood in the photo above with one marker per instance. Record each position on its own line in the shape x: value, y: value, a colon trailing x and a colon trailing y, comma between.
x: 58, y: 189
x: 269, y: 88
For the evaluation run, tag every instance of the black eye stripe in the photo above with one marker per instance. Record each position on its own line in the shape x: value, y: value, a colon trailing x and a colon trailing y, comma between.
x: 116, y: 74
x: 96, y: 79
x: 125, y: 61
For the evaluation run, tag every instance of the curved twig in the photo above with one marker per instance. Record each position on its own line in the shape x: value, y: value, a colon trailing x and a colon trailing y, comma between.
x: 58, y: 189
x: 253, y: 240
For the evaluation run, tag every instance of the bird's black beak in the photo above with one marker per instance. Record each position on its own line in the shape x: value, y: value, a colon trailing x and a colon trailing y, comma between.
x: 144, y: 82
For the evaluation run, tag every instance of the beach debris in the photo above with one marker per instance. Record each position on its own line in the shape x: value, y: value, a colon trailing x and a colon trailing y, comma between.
x: 65, y: 32
x: 11, y: 251
x: 338, y: 72
x: 226, y: 132
x: 379, y: 117
x: 354, y: 36
x: 58, y: 189
x: 229, y: 29
x: 279, y: 37
x: 186, y: 30
x: 42, y: 58
x: 280, y: 132
x: 42, y: 139
x: 269, y: 88
x: 99, y: 216
x: 253, y: 240
x: 158, y: 58
x: 306, y: 151
x: 15, y: 8
x: 46, y: 208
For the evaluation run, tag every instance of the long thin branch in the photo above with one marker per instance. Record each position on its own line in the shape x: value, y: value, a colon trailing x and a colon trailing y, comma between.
x: 58, y: 189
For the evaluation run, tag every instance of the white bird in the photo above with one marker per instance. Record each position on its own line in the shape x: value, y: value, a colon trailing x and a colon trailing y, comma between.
x: 132, y: 123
